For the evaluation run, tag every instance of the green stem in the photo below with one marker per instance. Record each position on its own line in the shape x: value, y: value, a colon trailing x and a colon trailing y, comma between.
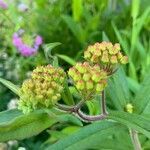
x: 71, y: 108
x: 89, y: 118
x: 135, y: 139
x: 103, y: 103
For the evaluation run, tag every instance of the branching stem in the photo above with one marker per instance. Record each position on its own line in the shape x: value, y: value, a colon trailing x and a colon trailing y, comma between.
x: 135, y: 139
x: 103, y: 104
x: 89, y: 118
x: 71, y: 108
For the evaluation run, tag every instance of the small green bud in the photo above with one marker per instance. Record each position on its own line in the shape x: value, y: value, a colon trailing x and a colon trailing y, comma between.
x: 113, y: 59
x: 105, y: 58
x: 80, y: 68
x: 109, y: 45
x: 71, y: 72
x: 119, y: 55
x: 77, y: 77
x: 124, y: 60
x: 89, y: 85
x: 96, y: 67
x: 87, y: 55
x: 96, y: 77
x: 86, y: 77
x: 91, y: 49
x: 94, y: 58
x: 117, y: 47
x: 80, y: 85
x: 99, y: 87
x: 97, y: 52
x: 129, y: 108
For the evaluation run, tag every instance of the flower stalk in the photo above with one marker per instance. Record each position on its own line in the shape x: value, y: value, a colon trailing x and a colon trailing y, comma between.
x: 103, y: 104
x: 135, y: 139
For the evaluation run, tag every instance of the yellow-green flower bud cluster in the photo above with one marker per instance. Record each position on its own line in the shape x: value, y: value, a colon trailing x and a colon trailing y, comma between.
x: 129, y: 108
x: 43, y: 89
x: 105, y: 53
x: 89, y: 80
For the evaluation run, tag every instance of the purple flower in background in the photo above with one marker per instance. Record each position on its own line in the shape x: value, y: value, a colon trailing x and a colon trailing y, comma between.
x: 17, y: 41
x: 38, y: 40
x: 3, y: 4
x: 24, y: 49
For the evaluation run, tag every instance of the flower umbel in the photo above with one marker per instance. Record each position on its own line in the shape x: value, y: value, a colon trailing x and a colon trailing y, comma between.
x: 89, y: 80
x: 106, y: 55
x: 43, y: 89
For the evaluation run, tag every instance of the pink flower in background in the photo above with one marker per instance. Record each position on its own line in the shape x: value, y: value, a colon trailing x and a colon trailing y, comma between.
x: 38, y: 40
x: 17, y: 41
x: 24, y: 49
x: 3, y: 4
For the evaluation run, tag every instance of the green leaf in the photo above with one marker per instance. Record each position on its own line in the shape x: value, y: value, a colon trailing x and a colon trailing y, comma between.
x: 10, y: 85
x: 118, y: 91
x: 105, y: 37
x: 77, y: 9
x: 137, y: 26
x: 121, y: 40
x: 48, y: 52
x: 67, y: 59
x: 133, y: 85
x: 75, y: 28
x: 135, y: 8
x: 86, y: 137
x: 66, y: 95
x: 140, y: 123
x: 142, y: 99
x: 16, y: 126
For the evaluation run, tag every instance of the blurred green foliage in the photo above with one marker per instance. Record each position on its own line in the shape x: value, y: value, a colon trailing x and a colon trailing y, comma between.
x: 76, y: 24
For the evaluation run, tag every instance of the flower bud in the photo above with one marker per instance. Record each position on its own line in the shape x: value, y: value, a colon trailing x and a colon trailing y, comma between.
x: 124, y: 60
x: 89, y: 85
x: 129, y: 108
x: 38, y: 91
x: 105, y: 54
x: 113, y: 59
x: 90, y: 78
x: 80, y: 85
x: 86, y: 77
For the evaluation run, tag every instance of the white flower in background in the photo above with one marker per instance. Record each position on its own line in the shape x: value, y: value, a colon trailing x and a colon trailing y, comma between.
x: 21, y: 148
x: 12, y: 104
x: 12, y: 143
x: 22, y: 7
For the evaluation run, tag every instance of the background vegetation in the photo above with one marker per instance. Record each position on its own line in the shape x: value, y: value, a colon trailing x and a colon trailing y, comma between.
x: 76, y: 24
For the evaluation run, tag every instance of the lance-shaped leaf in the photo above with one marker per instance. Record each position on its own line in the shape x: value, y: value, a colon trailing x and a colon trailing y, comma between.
x: 142, y: 99
x: 10, y: 85
x: 140, y: 123
x: 86, y: 137
x: 16, y: 126
x: 118, y: 90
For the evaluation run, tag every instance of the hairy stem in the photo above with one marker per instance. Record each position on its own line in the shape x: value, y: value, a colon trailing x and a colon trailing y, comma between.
x: 135, y: 139
x: 103, y: 103
x: 71, y: 108
x: 90, y: 118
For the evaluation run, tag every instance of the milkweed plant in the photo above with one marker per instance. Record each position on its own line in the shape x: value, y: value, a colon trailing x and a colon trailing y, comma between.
x: 47, y: 86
